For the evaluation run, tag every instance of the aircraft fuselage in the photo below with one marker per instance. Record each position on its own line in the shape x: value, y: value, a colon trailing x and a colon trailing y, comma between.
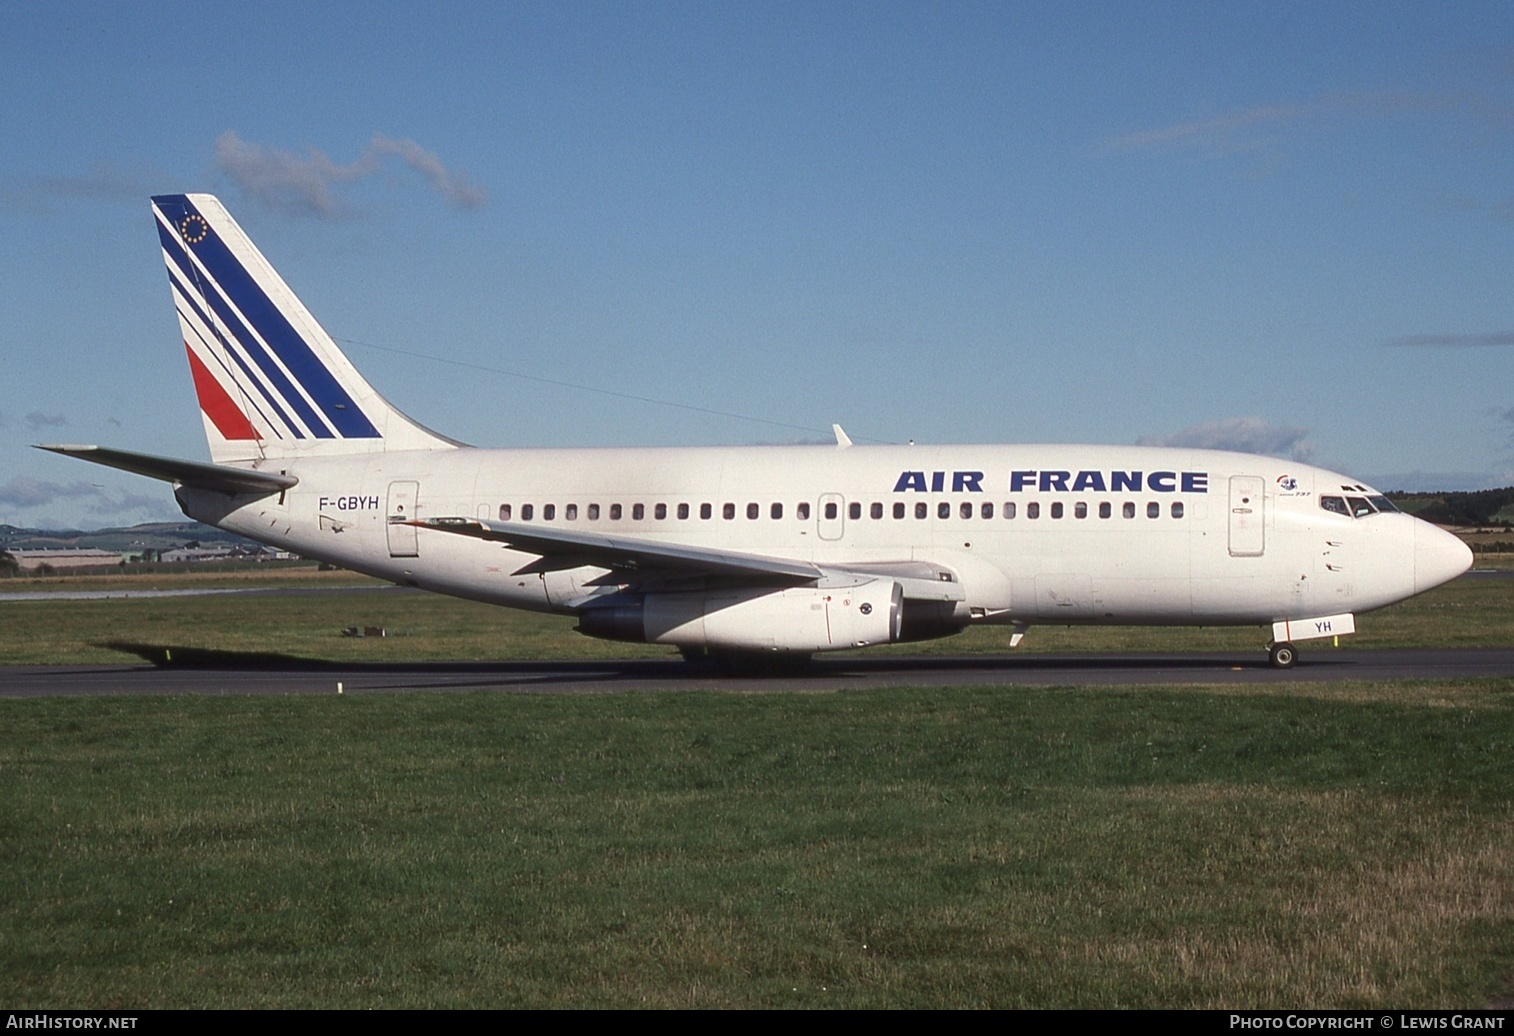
x: 1034, y: 534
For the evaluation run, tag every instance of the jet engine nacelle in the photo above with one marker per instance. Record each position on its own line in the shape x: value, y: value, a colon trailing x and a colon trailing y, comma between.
x: 803, y: 619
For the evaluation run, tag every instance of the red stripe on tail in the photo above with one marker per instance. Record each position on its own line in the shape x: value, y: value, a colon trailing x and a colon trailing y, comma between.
x: 222, y: 410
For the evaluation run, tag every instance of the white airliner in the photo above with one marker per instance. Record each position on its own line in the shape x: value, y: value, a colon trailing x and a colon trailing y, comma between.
x: 735, y: 551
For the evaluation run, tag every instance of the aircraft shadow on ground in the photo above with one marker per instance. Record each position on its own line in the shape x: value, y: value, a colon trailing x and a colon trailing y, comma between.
x: 179, y: 656
x: 210, y: 658
x: 185, y: 657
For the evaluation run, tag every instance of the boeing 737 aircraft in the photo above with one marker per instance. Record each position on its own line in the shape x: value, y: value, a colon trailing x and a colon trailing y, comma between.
x: 735, y: 551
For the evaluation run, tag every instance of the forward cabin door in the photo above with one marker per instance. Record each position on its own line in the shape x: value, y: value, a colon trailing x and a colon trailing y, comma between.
x: 402, y: 509
x: 1247, y: 517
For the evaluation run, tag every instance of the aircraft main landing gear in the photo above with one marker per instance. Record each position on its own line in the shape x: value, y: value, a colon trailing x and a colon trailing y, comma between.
x: 1283, y: 655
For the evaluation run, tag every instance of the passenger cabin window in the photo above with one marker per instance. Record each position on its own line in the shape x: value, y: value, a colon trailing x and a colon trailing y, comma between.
x: 1128, y: 509
x: 683, y: 512
x: 752, y: 511
x: 570, y: 512
x: 705, y: 511
x: 987, y: 510
x: 898, y: 509
x: 525, y: 512
x: 943, y: 510
x: 776, y: 511
x: 1177, y: 508
x: 548, y: 512
x: 1009, y: 509
x: 728, y: 512
x: 1032, y: 510
x: 875, y: 511
x: 1056, y: 509
x: 966, y: 510
x: 1080, y: 510
x: 921, y: 510
x: 803, y: 511
x: 831, y: 511
x: 593, y: 512
x: 638, y: 512
x: 1153, y: 510
x: 854, y: 511
x: 1105, y: 510
x: 660, y: 512
x: 504, y: 512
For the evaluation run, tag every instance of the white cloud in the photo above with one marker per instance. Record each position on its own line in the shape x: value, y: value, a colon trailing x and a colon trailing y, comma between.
x: 38, y: 193
x: 23, y: 491
x: 1242, y: 434
x: 111, y: 506
x: 452, y: 186
x: 1247, y: 129
x: 305, y: 184
x: 1221, y: 132
x: 1498, y: 338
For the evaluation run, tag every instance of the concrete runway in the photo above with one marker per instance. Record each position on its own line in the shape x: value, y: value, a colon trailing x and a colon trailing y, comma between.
x: 230, y: 674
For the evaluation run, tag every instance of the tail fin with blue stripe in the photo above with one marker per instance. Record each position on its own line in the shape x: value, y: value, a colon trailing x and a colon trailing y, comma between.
x: 270, y: 380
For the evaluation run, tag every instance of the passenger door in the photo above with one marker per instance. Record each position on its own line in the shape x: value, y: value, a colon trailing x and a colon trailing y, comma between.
x: 402, y: 508
x: 1247, y: 516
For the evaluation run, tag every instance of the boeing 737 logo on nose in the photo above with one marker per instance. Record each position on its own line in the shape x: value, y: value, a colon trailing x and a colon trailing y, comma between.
x: 1050, y: 481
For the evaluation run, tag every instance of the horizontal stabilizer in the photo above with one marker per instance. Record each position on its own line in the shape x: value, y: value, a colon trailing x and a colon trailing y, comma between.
x: 214, y: 477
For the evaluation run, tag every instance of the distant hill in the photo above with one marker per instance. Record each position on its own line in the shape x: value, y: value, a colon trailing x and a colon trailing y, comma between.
x: 154, y: 535
x: 1486, y: 507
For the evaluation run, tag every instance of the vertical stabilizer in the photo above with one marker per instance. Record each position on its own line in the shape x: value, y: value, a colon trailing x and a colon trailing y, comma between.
x: 270, y: 380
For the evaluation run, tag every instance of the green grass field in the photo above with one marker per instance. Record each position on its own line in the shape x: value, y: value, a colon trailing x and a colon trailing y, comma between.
x: 1018, y: 847
x: 1341, y: 845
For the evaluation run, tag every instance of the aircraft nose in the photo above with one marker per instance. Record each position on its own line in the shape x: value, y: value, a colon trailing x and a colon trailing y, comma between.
x: 1439, y: 557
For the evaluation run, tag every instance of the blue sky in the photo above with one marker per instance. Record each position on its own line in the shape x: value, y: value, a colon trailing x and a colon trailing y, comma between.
x: 1280, y: 227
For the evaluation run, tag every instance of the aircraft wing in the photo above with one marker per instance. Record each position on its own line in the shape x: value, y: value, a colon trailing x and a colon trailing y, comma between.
x: 215, y: 477
x: 561, y: 549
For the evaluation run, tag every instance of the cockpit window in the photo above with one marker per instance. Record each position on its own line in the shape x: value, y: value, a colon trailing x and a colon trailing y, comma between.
x: 1357, y: 506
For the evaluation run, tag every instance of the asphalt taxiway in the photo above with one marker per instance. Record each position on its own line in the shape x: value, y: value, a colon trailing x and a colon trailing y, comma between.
x: 219, y: 674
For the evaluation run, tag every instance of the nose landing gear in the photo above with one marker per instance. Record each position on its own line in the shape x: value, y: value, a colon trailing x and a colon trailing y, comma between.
x: 1282, y: 655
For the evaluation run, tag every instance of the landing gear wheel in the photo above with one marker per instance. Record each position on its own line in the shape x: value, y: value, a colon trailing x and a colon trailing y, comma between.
x: 1282, y: 656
